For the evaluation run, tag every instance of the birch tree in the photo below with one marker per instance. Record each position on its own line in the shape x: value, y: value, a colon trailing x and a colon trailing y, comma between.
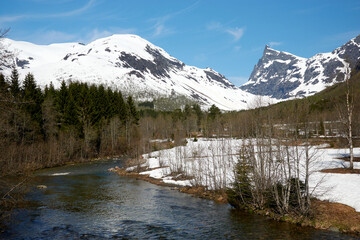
x: 346, y: 117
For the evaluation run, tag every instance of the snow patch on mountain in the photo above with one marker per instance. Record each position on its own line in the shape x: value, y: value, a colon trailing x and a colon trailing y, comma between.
x: 282, y: 75
x: 128, y: 63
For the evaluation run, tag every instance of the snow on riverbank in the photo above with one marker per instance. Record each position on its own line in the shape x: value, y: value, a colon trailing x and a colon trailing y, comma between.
x: 210, y: 162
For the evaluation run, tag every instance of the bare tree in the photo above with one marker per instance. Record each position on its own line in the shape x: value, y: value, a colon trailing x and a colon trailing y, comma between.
x: 6, y: 57
x: 346, y: 117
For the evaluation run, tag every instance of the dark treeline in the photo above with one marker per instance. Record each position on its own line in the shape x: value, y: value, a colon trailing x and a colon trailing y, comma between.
x: 50, y: 127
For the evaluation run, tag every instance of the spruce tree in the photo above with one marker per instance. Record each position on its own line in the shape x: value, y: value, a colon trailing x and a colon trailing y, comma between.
x: 214, y: 112
x: 187, y: 111
x: 70, y: 116
x: 49, y: 90
x: 112, y: 98
x: 199, y: 114
x: 134, y: 114
x: 83, y: 107
x: 3, y: 84
x: 95, y: 113
x: 52, y: 89
x: 49, y: 113
x: 121, y: 109
x: 103, y: 102
x: 61, y: 99
x: 14, y: 83
x: 240, y: 195
x: 33, y: 98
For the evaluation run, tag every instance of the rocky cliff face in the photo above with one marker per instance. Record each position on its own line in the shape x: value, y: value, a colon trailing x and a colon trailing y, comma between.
x: 282, y: 75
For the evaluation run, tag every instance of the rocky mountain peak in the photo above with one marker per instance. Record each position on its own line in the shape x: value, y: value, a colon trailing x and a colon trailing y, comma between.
x: 282, y: 75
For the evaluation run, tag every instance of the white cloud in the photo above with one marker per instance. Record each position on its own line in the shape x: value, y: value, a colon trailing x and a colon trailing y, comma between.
x: 272, y: 44
x: 160, y: 29
x: 237, y: 33
x: 214, y: 26
x: 51, y: 36
x: 96, y: 33
x: 78, y: 11
x: 6, y: 19
x: 237, y: 48
x: 44, y: 36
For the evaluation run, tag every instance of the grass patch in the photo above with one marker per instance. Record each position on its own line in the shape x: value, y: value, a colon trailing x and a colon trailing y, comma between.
x: 341, y: 171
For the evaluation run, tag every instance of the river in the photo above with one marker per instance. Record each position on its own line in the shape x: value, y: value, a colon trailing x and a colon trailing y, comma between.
x: 84, y: 201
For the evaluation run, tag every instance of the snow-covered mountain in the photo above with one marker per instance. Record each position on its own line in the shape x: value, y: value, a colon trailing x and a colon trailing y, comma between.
x: 128, y: 63
x: 284, y: 76
x: 137, y: 67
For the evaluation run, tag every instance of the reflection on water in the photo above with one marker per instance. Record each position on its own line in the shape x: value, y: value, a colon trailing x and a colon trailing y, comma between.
x: 90, y: 203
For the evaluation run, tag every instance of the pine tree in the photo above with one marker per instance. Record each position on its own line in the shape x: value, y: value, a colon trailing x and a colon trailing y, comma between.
x: 49, y: 90
x: 134, y: 114
x: 121, y: 109
x: 214, y: 112
x: 70, y: 116
x: 61, y: 99
x: 187, y: 111
x: 199, y: 114
x: 103, y: 102
x: 3, y: 84
x: 240, y: 195
x: 95, y: 113
x: 83, y: 108
x: 14, y: 83
x: 33, y: 98
x: 49, y: 113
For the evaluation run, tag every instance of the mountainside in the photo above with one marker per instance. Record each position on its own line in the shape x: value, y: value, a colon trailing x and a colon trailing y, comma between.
x: 130, y: 64
x: 282, y: 75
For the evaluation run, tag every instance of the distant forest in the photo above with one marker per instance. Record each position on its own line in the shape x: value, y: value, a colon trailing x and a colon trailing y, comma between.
x: 43, y: 128
x: 77, y: 122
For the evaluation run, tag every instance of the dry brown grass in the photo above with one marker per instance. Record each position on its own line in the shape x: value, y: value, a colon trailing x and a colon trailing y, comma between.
x: 217, y: 196
x: 347, y: 159
x: 341, y: 170
x: 337, y: 215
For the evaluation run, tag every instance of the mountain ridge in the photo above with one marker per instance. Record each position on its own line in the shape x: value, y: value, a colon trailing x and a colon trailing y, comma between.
x: 131, y: 64
x: 282, y: 75
x: 137, y: 67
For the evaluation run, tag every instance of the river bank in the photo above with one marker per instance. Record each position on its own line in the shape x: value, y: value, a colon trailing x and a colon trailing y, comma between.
x: 325, y: 215
x: 85, y: 201
x: 204, y: 167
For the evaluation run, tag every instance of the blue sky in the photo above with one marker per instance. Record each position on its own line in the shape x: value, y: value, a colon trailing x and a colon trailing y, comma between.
x: 228, y: 36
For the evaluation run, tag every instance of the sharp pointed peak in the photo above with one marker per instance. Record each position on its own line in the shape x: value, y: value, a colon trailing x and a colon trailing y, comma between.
x: 268, y: 50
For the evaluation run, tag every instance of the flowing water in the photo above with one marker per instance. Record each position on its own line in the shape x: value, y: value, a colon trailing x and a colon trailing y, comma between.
x: 84, y: 201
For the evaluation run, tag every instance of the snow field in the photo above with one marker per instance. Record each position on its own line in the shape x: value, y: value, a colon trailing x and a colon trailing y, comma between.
x: 211, y: 162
